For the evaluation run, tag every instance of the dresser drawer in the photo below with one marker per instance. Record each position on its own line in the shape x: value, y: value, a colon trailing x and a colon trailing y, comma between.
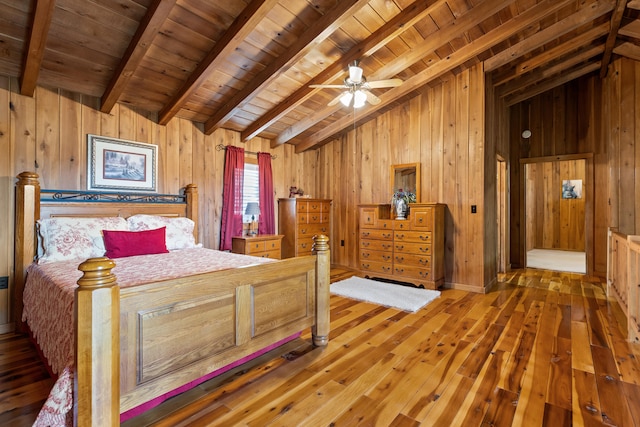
x: 412, y: 248
x: 311, y: 230
x: 375, y: 267
x: 412, y: 260
x: 376, y: 234
x: 367, y: 255
x: 305, y: 245
x: 412, y: 236
x: 252, y: 248
x: 404, y: 271
x: 273, y: 253
x: 376, y: 245
x: 422, y: 219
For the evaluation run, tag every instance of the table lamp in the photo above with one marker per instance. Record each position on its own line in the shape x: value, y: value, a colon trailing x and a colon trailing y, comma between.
x: 252, y: 209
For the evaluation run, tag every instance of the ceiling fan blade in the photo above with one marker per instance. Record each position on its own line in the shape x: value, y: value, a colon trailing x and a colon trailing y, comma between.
x: 384, y: 83
x: 371, y: 98
x: 328, y: 86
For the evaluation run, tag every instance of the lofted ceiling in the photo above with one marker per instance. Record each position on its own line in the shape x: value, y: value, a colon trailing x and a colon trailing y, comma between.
x: 247, y: 65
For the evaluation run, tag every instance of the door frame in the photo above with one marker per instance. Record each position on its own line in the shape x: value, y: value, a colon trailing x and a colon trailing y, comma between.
x: 587, y: 191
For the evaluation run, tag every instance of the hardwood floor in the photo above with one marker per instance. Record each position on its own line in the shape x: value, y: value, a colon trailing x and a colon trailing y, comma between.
x: 541, y: 349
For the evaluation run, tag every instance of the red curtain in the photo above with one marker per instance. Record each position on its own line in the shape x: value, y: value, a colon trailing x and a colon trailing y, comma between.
x: 267, y: 220
x: 232, y: 196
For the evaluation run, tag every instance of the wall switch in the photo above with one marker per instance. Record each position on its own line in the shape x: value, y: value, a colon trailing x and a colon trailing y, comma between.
x: 474, y: 209
x: 342, y: 242
x: 4, y: 282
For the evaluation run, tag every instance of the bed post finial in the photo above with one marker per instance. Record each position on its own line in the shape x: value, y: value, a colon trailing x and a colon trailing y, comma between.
x: 97, y: 352
x: 191, y: 191
x: 320, y: 330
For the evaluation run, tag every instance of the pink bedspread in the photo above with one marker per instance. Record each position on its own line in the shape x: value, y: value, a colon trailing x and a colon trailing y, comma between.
x: 49, y: 298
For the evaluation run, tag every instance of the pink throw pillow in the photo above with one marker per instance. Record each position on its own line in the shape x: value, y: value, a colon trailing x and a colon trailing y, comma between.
x: 121, y: 244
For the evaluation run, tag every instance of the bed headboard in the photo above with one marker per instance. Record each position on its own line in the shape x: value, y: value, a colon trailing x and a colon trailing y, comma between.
x: 32, y: 203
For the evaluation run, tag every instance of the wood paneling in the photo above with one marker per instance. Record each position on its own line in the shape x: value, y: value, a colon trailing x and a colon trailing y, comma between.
x: 567, y: 120
x: 555, y: 222
x: 47, y: 134
x: 443, y: 129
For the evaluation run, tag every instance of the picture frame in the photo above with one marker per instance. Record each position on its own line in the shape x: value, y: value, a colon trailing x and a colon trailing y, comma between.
x: 121, y: 165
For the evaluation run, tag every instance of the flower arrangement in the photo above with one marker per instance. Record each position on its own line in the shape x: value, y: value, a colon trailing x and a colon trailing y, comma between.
x: 407, y: 196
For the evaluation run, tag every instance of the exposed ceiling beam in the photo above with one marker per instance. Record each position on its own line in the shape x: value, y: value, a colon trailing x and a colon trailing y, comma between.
x: 36, y: 45
x: 631, y: 29
x: 552, y: 83
x: 628, y: 50
x: 543, y: 58
x: 616, y: 18
x: 585, y: 14
x: 156, y: 14
x: 536, y: 77
x: 319, y: 31
x: 457, y: 58
x: 244, y: 24
x: 439, y: 38
x: 392, y: 29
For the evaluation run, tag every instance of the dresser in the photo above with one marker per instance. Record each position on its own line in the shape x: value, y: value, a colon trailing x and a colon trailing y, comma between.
x: 299, y: 219
x: 263, y: 245
x: 409, y: 250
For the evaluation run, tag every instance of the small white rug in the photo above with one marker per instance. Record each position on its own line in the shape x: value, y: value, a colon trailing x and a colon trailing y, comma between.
x: 401, y: 297
x: 557, y: 260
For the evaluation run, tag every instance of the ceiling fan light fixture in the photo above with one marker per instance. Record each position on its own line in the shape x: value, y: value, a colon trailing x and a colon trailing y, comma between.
x: 345, y: 98
x: 359, y: 99
x: 355, y: 74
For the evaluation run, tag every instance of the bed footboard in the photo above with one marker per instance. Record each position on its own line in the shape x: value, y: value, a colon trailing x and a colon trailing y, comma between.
x: 173, y: 332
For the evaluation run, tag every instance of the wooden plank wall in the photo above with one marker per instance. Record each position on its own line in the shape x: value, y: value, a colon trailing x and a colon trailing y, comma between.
x: 556, y: 223
x: 566, y: 120
x: 47, y: 134
x: 443, y: 129
x: 622, y: 105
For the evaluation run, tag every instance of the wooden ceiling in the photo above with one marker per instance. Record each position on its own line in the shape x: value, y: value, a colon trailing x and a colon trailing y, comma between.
x: 247, y: 65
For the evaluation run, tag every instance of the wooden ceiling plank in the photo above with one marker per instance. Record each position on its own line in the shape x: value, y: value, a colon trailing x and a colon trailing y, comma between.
x: 632, y: 29
x: 42, y: 16
x: 232, y: 38
x: 628, y: 50
x: 156, y: 14
x: 616, y: 19
x: 435, y: 40
x: 585, y: 14
x: 483, y: 43
x: 553, y: 83
x: 392, y: 29
x: 543, y: 74
x: 318, y: 32
x: 552, y: 54
x: 634, y: 4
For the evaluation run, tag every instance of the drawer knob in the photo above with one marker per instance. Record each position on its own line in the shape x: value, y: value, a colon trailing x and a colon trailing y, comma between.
x: 365, y: 244
x: 386, y: 236
x: 365, y: 255
x: 424, y: 238
x: 365, y: 234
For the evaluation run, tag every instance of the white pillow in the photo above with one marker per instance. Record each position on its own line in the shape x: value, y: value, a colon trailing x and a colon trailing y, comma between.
x: 179, y: 229
x: 67, y: 238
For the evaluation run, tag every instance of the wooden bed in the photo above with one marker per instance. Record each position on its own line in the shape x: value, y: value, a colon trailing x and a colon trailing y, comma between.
x: 129, y: 341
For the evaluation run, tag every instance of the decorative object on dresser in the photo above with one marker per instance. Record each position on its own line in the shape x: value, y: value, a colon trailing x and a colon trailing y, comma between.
x: 299, y: 219
x: 264, y: 245
x: 410, y: 251
x: 400, y: 201
x: 252, y: 209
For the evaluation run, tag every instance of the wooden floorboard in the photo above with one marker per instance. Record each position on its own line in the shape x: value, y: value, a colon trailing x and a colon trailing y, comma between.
x: 541, y: 349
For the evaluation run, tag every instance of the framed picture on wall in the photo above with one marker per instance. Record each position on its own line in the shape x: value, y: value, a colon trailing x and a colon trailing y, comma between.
x: 118, y: 164
x: 572, y: 189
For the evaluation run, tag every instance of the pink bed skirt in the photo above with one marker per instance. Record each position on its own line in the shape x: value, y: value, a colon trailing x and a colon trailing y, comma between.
x: 158, y: 400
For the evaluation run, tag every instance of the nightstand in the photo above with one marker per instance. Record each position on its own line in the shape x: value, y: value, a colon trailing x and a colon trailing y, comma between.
x: 262, y: 245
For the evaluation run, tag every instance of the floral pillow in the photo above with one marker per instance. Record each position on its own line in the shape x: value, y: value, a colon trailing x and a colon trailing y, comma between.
x: 67, y: 238
x: 179, y: 229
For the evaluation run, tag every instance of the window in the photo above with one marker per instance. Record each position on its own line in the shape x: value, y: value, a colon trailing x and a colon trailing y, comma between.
x: 250, y: 189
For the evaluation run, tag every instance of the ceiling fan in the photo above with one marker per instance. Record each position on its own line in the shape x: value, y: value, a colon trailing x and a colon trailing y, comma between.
x: 357, y: 88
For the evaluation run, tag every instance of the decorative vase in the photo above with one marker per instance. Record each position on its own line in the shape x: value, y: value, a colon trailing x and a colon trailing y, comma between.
x: 401, y: 209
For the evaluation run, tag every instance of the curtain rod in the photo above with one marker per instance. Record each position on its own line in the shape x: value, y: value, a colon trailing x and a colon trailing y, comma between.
x: 220, y: 147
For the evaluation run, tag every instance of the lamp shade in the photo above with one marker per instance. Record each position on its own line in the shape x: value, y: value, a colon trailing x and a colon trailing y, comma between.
x: 252, y: 209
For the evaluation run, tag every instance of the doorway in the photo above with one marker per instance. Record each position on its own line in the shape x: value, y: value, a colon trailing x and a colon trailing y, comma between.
x: 556, y: 202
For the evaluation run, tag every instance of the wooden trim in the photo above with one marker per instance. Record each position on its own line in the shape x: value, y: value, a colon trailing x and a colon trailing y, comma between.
x: 556, y: 158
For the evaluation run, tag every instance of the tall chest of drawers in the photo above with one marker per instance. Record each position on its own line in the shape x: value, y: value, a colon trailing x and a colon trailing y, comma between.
x: 410, y: 250
x: 299, y: 219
